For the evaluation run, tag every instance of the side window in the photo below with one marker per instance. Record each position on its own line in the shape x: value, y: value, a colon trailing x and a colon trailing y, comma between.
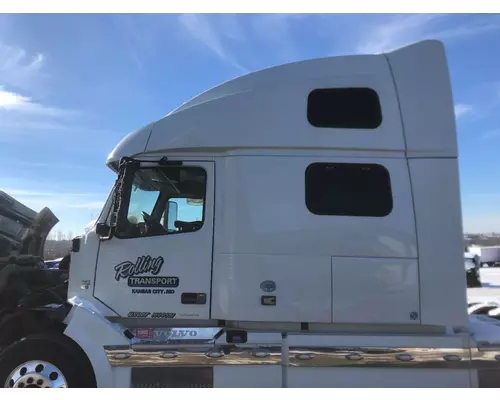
x: 165, y: 200
x: 344, y: 189
x: 347, y: 108
x: 188, y: 211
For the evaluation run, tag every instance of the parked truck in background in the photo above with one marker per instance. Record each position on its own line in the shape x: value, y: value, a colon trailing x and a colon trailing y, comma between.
x: 296, y: 212
x: 489, y: 255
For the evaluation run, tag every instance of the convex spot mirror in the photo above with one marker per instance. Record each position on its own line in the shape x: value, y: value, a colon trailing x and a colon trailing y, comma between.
x: 194, y: 202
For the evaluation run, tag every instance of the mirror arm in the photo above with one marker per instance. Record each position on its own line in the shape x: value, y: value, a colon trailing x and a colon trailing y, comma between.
x: 121, y: 194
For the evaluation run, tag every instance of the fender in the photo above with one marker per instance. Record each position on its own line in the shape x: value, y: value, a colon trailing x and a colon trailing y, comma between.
x: 91, y: 331
x: 23, y: 322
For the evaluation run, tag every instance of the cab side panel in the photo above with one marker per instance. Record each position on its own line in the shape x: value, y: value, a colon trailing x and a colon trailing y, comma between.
x: 436, y: 192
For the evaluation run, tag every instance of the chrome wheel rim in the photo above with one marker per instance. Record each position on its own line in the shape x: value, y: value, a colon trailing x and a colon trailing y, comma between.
x: 36, y: 374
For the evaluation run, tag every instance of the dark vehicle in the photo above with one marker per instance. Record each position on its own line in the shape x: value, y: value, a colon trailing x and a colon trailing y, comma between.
x: 53, y: 263
x: 28, y: 289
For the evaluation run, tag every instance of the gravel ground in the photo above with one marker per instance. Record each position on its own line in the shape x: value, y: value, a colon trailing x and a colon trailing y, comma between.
x: 490, y: 279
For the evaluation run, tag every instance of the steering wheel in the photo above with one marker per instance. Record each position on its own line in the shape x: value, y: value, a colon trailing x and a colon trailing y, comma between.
x: 152, y: 225
x: 148, y: 219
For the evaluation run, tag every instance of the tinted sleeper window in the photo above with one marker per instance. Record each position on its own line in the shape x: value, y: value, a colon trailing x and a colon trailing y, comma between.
x: 348, y: 108
x: 362, y: 190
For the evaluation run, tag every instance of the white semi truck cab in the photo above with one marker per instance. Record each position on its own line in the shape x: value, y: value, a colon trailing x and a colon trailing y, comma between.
x: 294, y: 211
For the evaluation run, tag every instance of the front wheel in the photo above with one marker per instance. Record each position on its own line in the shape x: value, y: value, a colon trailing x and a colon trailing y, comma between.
x: 44, y: 361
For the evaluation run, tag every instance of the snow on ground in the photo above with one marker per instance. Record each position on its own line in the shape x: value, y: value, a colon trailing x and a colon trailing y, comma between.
x: 490, y: 278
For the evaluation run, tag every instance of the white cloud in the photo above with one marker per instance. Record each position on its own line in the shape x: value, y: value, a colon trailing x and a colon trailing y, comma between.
x: 20, y: 75
x: 24, y: 126
x: 477, y: 27
x: 128, y: 28
x: 200, y: 28
x: 276, y: 30
x: 64, y: 204
x: 16, y: 102
x: 21, y: 192
x: 393, y: 33
x: 462, y: 109
x: 11, y: 100
x: 397, y: 31
x: 232, y: 37
x: 30, y: 164
x: 91, y: 205
x: 18, y: 68
x: 34, y: 193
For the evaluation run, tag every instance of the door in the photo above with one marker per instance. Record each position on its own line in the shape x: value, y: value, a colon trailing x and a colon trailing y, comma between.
x: 159, y: 263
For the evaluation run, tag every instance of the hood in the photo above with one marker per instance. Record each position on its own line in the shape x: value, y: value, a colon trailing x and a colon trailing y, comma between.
x: 23, y: 231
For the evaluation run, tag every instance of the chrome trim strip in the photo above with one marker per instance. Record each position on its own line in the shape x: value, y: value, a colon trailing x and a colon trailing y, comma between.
x: 193, y: 355
x: 485, y: 358
x: 379, y: 357
x: 185, y: 354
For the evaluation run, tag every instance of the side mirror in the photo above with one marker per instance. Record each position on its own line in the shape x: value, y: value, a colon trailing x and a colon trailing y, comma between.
x: 75, y: 244
x: 171, y: 217
x: 102, y: 229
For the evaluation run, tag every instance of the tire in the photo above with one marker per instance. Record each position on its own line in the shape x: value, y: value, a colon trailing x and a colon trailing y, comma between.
x: 41, y: 356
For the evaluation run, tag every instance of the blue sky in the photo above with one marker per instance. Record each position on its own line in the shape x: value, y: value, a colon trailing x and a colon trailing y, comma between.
x: 71, y: 86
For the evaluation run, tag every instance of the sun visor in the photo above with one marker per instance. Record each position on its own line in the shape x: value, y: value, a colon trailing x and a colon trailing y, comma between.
x: 132, y: 144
